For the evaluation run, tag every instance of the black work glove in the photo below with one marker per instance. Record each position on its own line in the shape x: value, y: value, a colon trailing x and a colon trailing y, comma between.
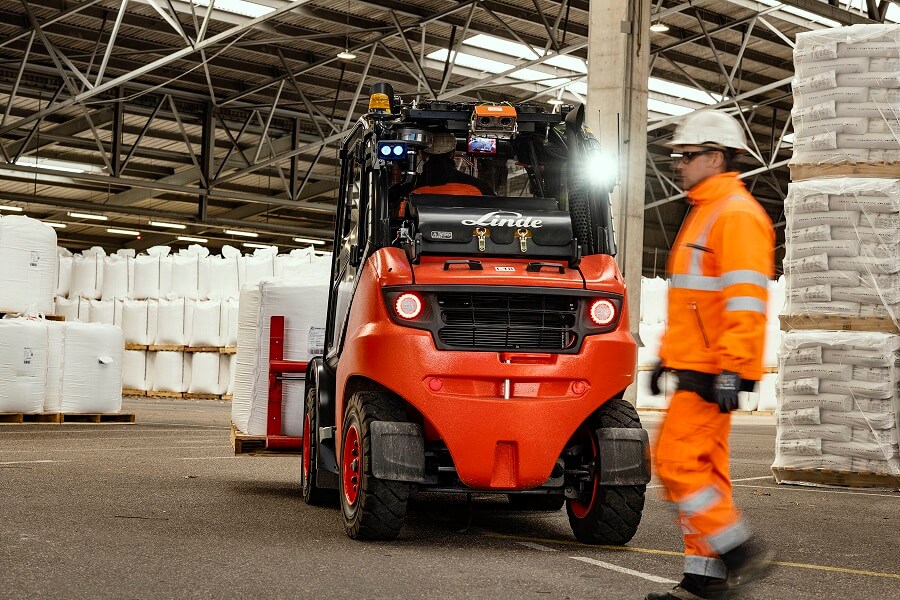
x: 726, y: 390
x: 658, y: 371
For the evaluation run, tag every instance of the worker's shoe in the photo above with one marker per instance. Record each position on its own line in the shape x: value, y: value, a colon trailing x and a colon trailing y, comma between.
x: 749, y: 562
x: 694, y: 587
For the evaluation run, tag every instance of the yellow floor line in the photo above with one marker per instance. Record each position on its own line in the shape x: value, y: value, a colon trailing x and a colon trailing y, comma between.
x: 673, y: 553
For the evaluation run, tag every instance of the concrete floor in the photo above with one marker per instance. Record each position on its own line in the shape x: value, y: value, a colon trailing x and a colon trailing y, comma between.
x: 162, y: 509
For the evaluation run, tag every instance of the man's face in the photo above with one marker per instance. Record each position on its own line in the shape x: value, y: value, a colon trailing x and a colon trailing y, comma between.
x: 696, y: 164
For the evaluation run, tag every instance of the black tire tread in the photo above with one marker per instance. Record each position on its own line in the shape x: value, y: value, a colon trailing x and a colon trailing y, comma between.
x: 615, y: 517
x: 382, y: 504
x: 313, y: 494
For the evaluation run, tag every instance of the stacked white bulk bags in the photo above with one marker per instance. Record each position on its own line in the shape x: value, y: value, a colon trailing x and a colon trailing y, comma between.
x: 64, y: 272
x: 115, y: 277
x: 842, y: 254
x: 838, y: 403
x: 171, y: 322
x: 303, y: 304
x: 139, y: 319
x: 148, y: 273
x: 87, y: 273
x: 847, y: 96
x: 134, y: 370
x: 56, y: 343
x: 24, y: 353
x: 207, y: 374
x: 219, y: 276
x: 28, y: 265
x: 206, y: 324
x: 171, y: 371
x: 255, y: 267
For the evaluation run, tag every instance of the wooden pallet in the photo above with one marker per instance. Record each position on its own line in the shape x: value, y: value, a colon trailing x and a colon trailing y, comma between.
x: 228, y: 350
x: 836, y: 323
x: 202, y: 348
x: 152, y: 394
x: 800, y: 172
x: 136, y: 346
x: 17, y: 313
x: 840, y: 478
x: 166, y: 347
x: 129, y: 392
x: 227, y: 397
x: 244, y: 443
x: 196, y: 396
x: 59, y: 418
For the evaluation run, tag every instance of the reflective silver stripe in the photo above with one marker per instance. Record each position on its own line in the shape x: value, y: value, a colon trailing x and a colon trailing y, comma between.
x: 704, y: 565
x: 746, y: 303
x: 701, y: 500
x: 729, y: 538
x: 696, y: 282
x: 745, y: 276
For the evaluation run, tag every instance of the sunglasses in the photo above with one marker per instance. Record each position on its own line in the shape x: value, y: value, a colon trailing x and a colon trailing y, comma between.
x: 687, y: 157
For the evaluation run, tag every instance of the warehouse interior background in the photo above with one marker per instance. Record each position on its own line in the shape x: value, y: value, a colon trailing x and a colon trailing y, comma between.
x: 220, y: 116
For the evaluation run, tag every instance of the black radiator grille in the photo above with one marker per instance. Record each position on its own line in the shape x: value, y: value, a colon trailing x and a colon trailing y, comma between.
x: 508, y: 321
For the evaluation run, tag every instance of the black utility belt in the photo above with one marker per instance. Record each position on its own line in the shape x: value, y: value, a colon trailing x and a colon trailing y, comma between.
x: 703, y: 384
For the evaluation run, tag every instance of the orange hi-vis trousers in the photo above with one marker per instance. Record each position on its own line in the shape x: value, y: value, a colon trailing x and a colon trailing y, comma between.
x: 691, y: 459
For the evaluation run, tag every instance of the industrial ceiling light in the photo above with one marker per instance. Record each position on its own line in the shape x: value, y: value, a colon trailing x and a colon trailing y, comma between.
x: 555, y: 101
x: 167, y: 225
x: 254, y: 245
x: 309, y: 241
x: 123, y: 231
x: 345, y: 54
x: 243, y: 233
x: 187, y: 238
x: 10, y: 208
x: 79, y: 215
x: 659, y: 27
x: 55, y: 225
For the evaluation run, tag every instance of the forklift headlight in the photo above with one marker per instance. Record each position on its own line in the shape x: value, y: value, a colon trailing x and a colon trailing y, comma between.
x: 391, y: 150
x: 602, y: 312
x: 408, y: 305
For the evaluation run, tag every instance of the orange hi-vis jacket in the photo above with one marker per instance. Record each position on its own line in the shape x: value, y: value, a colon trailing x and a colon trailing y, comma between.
x: 719, y: 272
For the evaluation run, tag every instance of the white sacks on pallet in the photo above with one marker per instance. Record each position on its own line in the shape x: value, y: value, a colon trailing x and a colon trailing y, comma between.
x: 92, y: 369
x: 24, y: 348
x: 64, y: 272
x: 139, y: 321
x: 148, y: 274
x: 171, y: 371
x: 207, y: 375
x: 186, y: 272
x: 206, y: 324
x: 28, y: 265
x: 257, y: 266
x: 303, y: 304
x: 219, y: 275
x: 847, y: 95
x: 172, y: 321
x: 838, y: 402
x: 56, y: 342
x: 115, y: 277
x: 842, y: 254
x: 134, y: 370
x: 87, y: 273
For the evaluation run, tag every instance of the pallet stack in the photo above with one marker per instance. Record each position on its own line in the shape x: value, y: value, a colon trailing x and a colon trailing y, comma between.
x: 837, y: 389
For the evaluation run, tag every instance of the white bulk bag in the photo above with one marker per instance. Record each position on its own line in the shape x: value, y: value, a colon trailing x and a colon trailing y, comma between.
x: 654, y: 292
x: 23, y: 365
x: 206, y: 325
x: 68, y: 308
x: 115, y: 277
x: 139, y: 321
x: 291, y: 266
x: 170, y: 322
x: 219, y: 275
x: 186, y: 275
x: 102, y: 311
x: 651, y: 338
x: 64, y: 272
x: 165, y: 276
x: 92, y: 369
x: 28, y: 264
x: 225, y: 373
x: 258, y: 266
x: 228, y: 322
x: 56, y: 339
x: 134, y: 370
x: 303, y: 306
x: 147, y: 279
x: 205, y: 373
x: 170, y: 371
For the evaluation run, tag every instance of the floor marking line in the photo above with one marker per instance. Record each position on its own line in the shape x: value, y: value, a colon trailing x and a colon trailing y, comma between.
x: 626, y: 571
x: 673, y: 553
x: 790, y: 488
x: 31, y: 462
x: 205, y: 457
x: 534, y: 546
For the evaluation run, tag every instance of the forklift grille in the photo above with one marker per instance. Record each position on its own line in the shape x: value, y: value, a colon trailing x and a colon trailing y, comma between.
x: 485, y: 321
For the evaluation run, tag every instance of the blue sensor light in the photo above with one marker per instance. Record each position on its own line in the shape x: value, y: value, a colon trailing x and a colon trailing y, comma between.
x: 389, y: 150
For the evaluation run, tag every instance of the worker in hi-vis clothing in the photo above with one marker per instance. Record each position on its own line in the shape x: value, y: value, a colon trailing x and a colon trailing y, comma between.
x: 718, y: 272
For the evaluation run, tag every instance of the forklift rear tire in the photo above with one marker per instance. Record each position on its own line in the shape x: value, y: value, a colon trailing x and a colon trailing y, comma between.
x: 548, y: 502
x: 312, y: 494
x: 614, y: 512
x: 373, y: 509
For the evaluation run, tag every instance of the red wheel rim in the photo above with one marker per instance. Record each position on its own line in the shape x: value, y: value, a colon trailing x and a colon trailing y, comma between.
x: 307, y: 444
x: 580, y: 509
x: 351, y: 465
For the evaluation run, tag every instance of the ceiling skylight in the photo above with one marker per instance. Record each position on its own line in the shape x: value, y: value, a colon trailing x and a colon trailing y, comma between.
x: 678, y: 90
x: 489, y: 42
x: 238, y: 7
x: 667, y: 108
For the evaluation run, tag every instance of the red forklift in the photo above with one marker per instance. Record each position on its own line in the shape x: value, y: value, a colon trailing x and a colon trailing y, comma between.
x: 475, y: 343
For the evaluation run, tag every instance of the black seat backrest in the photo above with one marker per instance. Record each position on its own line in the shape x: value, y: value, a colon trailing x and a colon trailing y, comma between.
x: 507, y: 202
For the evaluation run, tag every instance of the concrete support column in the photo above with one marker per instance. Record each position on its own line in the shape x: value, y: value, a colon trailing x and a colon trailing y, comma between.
x: 618, y: 69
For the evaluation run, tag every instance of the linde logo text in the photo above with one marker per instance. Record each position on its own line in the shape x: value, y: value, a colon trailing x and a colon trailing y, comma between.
x: 504, y: 218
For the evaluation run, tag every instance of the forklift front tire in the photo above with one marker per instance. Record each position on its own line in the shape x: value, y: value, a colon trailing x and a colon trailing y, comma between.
x: 312, y: 494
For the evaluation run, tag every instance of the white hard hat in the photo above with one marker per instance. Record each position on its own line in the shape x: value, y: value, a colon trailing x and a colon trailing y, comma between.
x: 710, y: 127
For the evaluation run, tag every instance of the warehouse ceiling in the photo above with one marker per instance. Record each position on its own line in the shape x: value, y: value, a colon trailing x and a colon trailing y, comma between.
x: 220, y: 116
